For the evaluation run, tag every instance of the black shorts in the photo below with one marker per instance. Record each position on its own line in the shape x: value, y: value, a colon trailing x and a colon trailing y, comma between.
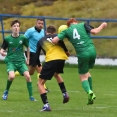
x: 33, y: 61
x: 50, y: 68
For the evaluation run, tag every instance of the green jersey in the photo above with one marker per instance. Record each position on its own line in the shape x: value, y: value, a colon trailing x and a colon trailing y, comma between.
x: 15, y: 46
x: 79, y: 36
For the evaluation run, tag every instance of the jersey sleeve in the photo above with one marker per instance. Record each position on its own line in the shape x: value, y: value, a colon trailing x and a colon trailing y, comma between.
x: 4, y: 45
x: 88, y: 27
x: 38, y: 51
x: 26, y: 42
x: 27, y: 34
x: 62, y: 35
x: 62, y: 44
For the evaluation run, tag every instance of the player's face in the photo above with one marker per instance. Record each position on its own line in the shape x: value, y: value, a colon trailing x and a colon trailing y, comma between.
x: 39, y: 24
x: 16, y: 28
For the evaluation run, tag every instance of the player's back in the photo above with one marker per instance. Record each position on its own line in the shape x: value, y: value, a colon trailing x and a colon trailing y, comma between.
x: 79, y: 38
x: 52, y: 51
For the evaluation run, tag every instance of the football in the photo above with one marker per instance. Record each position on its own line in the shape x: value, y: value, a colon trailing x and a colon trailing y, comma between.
x: 61, y: 28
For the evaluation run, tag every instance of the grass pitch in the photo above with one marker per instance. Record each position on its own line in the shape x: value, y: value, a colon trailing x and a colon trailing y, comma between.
x: 104, y: 85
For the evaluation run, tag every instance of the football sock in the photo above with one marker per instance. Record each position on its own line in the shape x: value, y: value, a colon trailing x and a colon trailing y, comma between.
x: 17, y: 73
x: 62, y: 87
x: 44, y: 98
x: 8, y: 84
x: 90, y: 82
x: 85, y: 85
x: 29, y: 87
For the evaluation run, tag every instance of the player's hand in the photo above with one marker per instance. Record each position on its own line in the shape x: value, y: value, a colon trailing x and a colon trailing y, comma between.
x: 3, y: 53
x: 27, y: 61
x: 67, y: 53
x: 104, y: 24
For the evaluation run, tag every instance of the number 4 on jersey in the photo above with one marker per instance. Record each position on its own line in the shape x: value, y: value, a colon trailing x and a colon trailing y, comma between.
x: 75, y: 34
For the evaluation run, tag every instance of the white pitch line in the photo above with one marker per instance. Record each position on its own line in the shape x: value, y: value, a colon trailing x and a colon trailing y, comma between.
x: 67, y: 91
x: 103, y: 107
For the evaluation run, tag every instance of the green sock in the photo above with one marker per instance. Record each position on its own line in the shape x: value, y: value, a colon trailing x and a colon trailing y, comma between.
x: 85, y: 85
x: 29, y: 87
x: 90, y: 82
x: 8, y: 84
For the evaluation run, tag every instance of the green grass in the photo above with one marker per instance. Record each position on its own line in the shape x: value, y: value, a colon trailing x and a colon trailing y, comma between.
x: 104, y: 84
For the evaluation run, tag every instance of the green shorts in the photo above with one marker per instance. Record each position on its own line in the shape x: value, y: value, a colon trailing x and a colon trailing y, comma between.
x: 21, y: 67
x: 86, y: 60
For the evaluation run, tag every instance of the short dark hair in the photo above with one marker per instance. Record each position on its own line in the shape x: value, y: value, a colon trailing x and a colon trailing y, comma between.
x: 15, y: 21
x: 51, y: 29
x: 40, y: 19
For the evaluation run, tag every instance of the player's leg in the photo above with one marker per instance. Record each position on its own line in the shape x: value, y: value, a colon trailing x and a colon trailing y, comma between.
x: 92, y: 55
x: 11, y: 76
x: 32, y: 62
x: 62, y: 87
x: 31, y: 69
x: 90, y: 81
x: 59, y: 69
x: 43, y: 95
x: 83, y: 68
x: 92, y: 97
x: 24, y: 70
x: 38, y: 69
x: 91, y: 64
x: 47, y: 73
x: 86, y: 87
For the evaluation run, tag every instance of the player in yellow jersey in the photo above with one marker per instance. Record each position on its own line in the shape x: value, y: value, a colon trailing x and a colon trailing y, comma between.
x: 55, y: 56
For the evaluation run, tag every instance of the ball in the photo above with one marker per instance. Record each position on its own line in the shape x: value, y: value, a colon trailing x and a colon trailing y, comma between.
x: 61, y: 28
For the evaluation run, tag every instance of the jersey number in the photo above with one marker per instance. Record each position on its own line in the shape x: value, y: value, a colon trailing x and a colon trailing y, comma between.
x: 49, y: 39
x: 75, y: 34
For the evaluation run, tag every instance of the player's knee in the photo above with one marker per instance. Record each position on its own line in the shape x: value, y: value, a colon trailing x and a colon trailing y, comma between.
x: 56, y: 75
x: 40, y: 84
x: 11, y: 77
x: 28, y: 78
x: 31, y: 72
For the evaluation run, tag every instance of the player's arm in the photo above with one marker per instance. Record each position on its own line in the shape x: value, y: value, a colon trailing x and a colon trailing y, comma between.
x: 38, y: 51
x: 62, y: 44
x: 26, y: 43
x: 27, y: 34
x: 95, y: 30
x: 4, y: 46
x: 60, y: 36
x: 28, y: 53
x: 55, y: 40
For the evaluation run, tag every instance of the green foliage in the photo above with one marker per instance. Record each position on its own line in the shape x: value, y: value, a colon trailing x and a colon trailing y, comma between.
x: 65, y: 9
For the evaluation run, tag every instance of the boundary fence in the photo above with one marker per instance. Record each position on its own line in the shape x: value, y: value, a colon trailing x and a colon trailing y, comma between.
x: 3, y: 31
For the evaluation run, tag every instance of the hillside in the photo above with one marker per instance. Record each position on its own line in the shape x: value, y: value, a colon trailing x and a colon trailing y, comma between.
x: 66, y: 9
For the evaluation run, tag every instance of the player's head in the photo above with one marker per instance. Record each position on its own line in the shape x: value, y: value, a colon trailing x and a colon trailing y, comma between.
x: 71, y: 21
x: 51, y: 30
x: 39, y: 23
x: 61, y: 28
x: 14, y: 22
x: 15, y: 26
